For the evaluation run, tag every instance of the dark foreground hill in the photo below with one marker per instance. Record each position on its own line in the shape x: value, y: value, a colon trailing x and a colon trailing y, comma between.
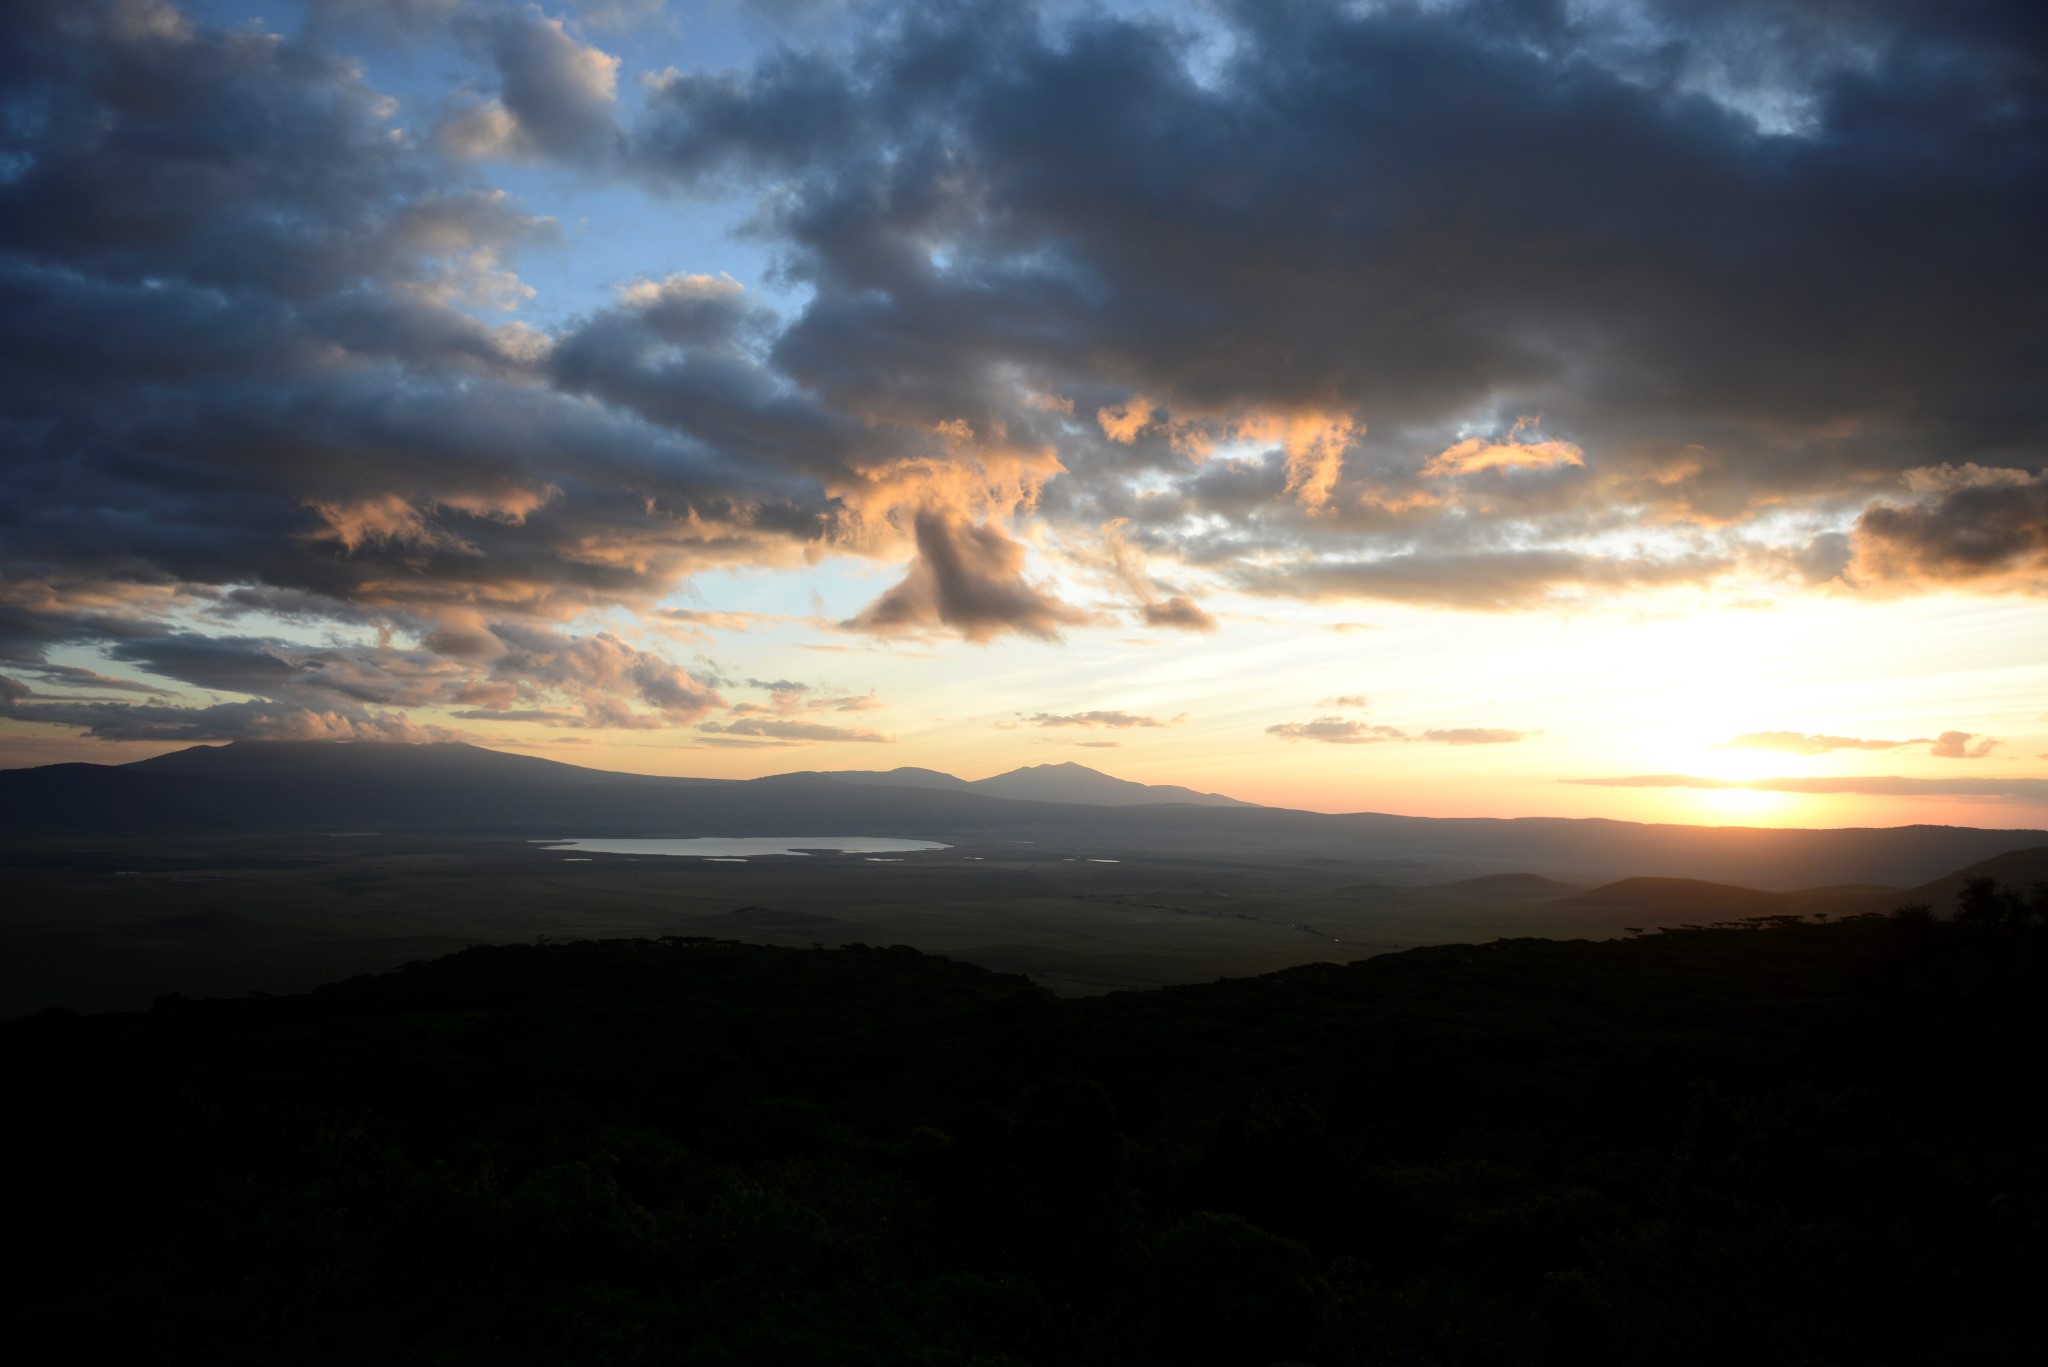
x: 1802, y: 1144
x: 280, y: 787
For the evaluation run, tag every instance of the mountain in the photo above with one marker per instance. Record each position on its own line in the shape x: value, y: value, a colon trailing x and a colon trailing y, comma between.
x: 1680, y: 897
x: 277, y: 787
x: 907, y: 777
x: 1078, y: 783
x: 1074, y: 783
x: 2019, y: 869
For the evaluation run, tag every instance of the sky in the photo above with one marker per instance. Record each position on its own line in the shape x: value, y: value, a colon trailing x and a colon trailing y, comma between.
x: 1613, y: 409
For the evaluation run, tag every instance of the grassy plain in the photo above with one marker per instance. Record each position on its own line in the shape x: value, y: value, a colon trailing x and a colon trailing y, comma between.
x: 97, y: 925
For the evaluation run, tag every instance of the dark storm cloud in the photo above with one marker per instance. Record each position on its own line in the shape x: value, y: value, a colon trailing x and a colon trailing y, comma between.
x: 77, y: 676
x: 226, y: 663
x: 1970, y: 525
x: 221, y: 721
x: 967, y: 578
x: 240, y: 311
x: 1737, y: 257
x: 1445, y: 304
x: 790, y: 113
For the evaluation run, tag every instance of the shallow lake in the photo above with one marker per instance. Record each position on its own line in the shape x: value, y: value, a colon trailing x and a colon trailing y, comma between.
x: 749, y: 846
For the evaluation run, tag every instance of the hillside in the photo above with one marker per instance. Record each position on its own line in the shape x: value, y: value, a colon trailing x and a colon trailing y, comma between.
x: 1770, y: 1146
x: 1682, y: 897
x: 2019, y: 869
x: 1509, y: 887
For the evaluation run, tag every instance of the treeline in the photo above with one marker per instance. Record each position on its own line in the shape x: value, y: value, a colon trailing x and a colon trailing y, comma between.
x: 1802, y: 1142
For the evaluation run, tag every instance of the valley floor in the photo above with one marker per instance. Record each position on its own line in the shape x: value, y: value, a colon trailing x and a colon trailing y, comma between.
x: 113, y: 924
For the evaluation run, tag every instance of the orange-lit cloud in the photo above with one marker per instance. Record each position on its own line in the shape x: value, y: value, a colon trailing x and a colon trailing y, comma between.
x: 1473, y: 735
x: 1885, y: 785
x: 1522, y: 450
x: 1122, y: 422
x: 1961, y: 745
x: 1313, y: 443
x: 1799, y: 743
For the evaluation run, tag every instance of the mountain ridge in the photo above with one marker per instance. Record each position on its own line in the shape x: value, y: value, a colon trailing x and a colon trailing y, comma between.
x: 1064, y: 781
x: 267, y: 788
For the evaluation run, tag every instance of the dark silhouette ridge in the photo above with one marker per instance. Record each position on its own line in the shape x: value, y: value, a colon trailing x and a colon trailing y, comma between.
x: 1780, y: 1143
x: 2015, y: 868
x: 325, y: 786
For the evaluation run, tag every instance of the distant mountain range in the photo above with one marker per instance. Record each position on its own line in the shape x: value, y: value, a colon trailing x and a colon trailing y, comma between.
x: 1067, y: 782
x: 280, y: 787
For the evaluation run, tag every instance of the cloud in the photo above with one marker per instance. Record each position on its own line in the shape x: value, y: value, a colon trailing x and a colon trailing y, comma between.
x: 77, y: 676
x: 221, y: 721
x: 504, y: 671
x: 1474, y: 735
x: 788, y: 698
x: 1494, y: 581
x: 1961, y: 745
x: 1799, y: 743
x: 1874, y: 785
x: 1336, y: 731
x: 1122, y: 422
x: 1117, y: 721
x: 1257, y: 301
x: 1357, y: 700
x: 1948, y: 745
x: 604, y: 675
x: 1178, y: 614
x: 555, y: 99
x: 1969, y: 525
x: 1342, y: 731
x: 793, y: 731
x: 1523, y: 449
x: 970, y: 579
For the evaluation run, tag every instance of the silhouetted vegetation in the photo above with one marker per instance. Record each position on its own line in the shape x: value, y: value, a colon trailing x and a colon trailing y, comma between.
x: 1756, y: 1144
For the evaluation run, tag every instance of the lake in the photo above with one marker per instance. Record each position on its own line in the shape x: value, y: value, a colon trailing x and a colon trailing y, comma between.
x: 749, y: 846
